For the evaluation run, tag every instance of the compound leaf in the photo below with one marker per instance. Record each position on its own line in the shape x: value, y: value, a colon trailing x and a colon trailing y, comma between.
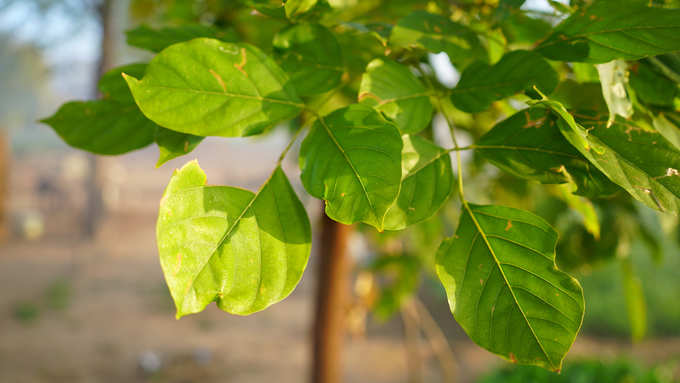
x: 608, y: 30
x: 481, y: 83
x: 504, y: 288
x: 206, y: 87
x: 312, y: 57
x: 352, y: 160
x: 392, y: 89
x: 243, y: 250
x: 427, y: 183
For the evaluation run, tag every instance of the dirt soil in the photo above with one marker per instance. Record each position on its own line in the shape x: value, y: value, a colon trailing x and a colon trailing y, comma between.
x: 74, y: 310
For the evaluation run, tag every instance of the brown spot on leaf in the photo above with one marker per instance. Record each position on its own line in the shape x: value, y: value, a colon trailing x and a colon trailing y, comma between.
x: 244, y: 61
x: 179, y: 264
x: 219, y: 79
x: 365, y: 95
x: 508, y: 226
x: 512, y: 358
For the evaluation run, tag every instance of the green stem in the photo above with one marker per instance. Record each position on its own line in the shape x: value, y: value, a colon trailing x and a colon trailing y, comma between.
x: 289, y: 145
x: 665, y: 69
x: 457, y: 148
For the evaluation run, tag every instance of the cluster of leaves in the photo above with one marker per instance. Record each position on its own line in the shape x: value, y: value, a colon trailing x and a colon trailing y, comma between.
x: 586, y: 96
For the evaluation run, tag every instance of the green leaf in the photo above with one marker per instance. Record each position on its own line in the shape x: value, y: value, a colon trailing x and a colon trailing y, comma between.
x: 427, y: 183
x: 352, y: 160
x: 155, y: 40
x: 173, y: 144
x: 529, y: 145
x: 436, y: 33
x: 271, y: 8
x: 641, y: 161
x: 312, y: 57
x: 206, y: 87
x: 583, y: 206
x: 504, y: 288
x: 580, y: 96
x: 113, y: 87
x: 650, y: 86
x: 243, y: 250
x: 296, y: 7
x: 668, y: 125
x: 392, y: 89
x: 608, y: 30
x: 112, y: 125
x: 520, y: 28
x: 102, y: 126
x: 481, y: 83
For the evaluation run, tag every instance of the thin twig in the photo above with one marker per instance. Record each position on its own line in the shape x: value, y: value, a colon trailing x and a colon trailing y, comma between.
x: 414, y: 358
x: 435, y: 336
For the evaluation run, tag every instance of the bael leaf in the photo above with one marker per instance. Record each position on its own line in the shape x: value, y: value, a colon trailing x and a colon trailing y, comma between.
x: 155, y: 40
x: 392, y: 89
x: 437, y: 33
x: 529, y: 145
x: 271, y: 8
x: 668, y: 125
x: 504, y: 288
x: 650, y: 86
x: 481, y: 83
x: 173, y: 144
x: 294, y: 8
x: 113, y: 87
x: 427, y: 183
x: 243, y: 250
x: 206, y: 87
x: 110, y: 126
x: 607, y: 30
x: 639, y: 160
x: 352, y: 160
x: 102, y: 126
x: 311, y: 55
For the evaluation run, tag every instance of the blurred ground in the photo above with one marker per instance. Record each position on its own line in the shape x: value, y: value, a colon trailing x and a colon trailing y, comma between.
x: 78, y: 311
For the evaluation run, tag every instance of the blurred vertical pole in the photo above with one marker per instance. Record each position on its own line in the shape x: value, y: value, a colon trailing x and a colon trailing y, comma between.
x: 94, y: 208
x: 4, y: 184
x: 331, y: 302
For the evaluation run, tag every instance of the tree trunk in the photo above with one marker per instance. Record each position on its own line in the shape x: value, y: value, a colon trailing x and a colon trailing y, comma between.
x: 331, y: 302
x: 94, y: 208
x: 4, y: 185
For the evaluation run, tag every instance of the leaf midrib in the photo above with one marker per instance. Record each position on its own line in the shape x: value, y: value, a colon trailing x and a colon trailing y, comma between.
x: 351, y: 165
x: 587, y: 35
x: 505, y: 279
x: 227, y: 94
x: 227, y: 234
x: 633, y: 165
